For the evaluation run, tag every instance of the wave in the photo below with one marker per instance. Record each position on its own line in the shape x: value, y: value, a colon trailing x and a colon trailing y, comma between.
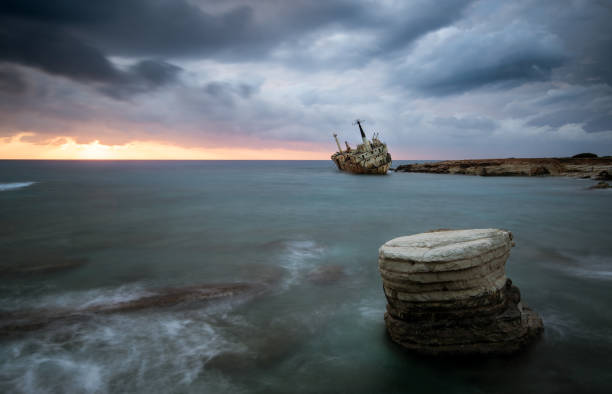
x: 163, y: 353
x: 14, y: 185
x: 76, y: 300
x: 371, y: 311
x: 161, y: 350
x: 592, y: 266
x: 603, y: 274
x: 561, y: 326
x: 298, y: 258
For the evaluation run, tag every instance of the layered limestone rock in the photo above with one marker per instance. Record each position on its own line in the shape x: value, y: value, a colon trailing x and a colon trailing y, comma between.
x: 574, y: 167
x: 447, y: 292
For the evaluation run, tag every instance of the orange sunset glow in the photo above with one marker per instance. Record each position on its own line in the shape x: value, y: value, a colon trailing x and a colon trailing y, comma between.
x: 66, y: 148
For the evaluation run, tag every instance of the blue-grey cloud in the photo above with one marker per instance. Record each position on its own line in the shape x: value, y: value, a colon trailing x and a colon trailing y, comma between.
x: 589, y: 106
x: 462, y: 60
x: 414, y: 19
x: 53, y: 50
x: 466, y: 123
x: 59, y: 52
x: 422, y: 72
x: 11, y: 81
x: 592, y: 121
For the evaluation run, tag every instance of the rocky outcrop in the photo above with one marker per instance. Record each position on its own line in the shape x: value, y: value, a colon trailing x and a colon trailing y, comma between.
x: 603, y: 176
x: 447, y: 293
x: 577, y: 167
x: 600, y: 185
x: 52, y: 266
x: 326, y: 275
x: 584, y: 155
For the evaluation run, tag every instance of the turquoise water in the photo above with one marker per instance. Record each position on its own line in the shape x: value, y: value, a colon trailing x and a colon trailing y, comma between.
x: 135, y: 227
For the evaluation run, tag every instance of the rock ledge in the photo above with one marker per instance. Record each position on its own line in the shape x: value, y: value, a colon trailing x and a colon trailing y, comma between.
x: 595, y: 168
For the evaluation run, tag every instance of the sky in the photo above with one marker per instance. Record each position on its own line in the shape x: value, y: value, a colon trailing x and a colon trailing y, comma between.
x: 272, y: 79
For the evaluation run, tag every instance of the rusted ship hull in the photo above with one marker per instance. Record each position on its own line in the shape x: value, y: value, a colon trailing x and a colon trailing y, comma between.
x: 375, y: 165
x: 370, y: 157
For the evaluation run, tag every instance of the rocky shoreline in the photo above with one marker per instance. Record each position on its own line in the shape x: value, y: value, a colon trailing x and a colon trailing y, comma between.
x: 599, y: 168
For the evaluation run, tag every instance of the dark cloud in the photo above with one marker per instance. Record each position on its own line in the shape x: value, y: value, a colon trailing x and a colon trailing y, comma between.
x: 178, y: 27
x: 155, y: 73
x: 598, y: 123
x: 466, y: 123
x: 137, y: 26
x: 140, y: 77
x: 222, y: 93
x: 559, y: 118
x: 592, y: 121
x: 589, y: 106
x: 219, y: 89
x: 505, y: 72
x: 289, y: 71
x: 75, y: 39
x: 365, y: 33
x: 236, y: 30
x: 584, y: 28
x: 11, y: 81
x: 54, y: 50
x: 461, y: 60
x: 58, y: 52
x: 417, y: 18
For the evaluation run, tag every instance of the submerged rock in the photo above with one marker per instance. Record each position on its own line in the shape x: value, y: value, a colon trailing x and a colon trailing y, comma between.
x: 19, y: 322
x: 33, y: 268
x: 448, y: 293
x: 584, y: 155
x: 174, y: 296
x: 271, y: 348
x: 603, y: 176
x: 600, y: 185
x: 326, y: 275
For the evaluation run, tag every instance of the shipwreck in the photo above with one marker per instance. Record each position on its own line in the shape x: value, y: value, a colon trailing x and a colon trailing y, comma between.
x: 370, y: 157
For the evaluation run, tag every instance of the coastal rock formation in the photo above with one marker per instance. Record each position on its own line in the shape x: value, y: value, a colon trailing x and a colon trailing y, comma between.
x: 577, y: 167
x: 448, y: 293
x: 48, y: 267
x: 603, y: 176
x: 600, y: 185
x: 326, y: 275
x: 583, y: 155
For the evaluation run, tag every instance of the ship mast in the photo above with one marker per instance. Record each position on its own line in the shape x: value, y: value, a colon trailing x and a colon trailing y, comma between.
x: 366, y: 143
x: 337, y: 143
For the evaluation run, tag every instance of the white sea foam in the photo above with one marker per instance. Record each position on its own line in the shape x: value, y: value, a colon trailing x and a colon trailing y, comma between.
x: 109, y: 296
x: 299, y: 257
x: 161, y: 352
x: 558, y: 325
x: 592, y: 266
x: 14, y: 185
x: 71, y: 374
x: 371, y: 312
x: 77, y: 299
x: 590, y: 273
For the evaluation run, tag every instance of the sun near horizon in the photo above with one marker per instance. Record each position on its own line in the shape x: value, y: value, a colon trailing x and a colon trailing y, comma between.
x: 66, y: 148
x: 17, y: 147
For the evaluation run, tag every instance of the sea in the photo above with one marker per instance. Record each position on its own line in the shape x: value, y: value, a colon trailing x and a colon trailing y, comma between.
x: 81, y: 237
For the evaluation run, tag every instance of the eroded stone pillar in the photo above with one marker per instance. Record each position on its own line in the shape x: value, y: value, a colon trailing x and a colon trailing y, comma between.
x: 447, y: 292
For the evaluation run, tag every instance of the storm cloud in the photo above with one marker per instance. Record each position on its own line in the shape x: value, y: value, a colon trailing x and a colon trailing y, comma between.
x: 452, y: 78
